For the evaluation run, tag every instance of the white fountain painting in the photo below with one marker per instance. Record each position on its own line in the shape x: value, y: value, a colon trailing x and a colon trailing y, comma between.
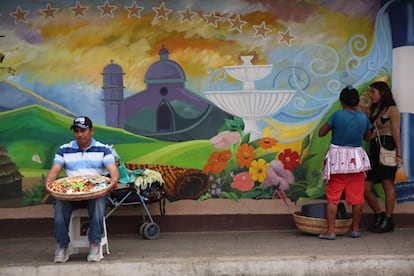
x: 249, y: 103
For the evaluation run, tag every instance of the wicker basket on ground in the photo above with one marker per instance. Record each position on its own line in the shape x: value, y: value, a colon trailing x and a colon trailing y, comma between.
x: 318, y: 226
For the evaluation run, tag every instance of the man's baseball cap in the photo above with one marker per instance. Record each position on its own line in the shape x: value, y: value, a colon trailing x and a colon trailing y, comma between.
x: 82, y: 122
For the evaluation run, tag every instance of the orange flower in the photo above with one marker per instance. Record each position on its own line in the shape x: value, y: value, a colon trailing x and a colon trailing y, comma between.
x: 289, y: 159
x: 225, y: 156
x: 242, y: 182
x: 267, y: 142
x: 217, y: 161
x: 245, y: 155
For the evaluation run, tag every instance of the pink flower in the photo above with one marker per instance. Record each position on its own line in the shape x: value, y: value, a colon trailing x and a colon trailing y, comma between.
x: 277, y: 175
x: 225, y: 139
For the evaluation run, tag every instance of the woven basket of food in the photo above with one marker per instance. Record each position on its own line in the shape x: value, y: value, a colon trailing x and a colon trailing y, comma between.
x: 179, y: 182
x: 76, y: 188
x: 318, y: 226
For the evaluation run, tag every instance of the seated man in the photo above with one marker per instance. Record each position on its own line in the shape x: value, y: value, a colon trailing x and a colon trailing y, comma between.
x: 82, y: 156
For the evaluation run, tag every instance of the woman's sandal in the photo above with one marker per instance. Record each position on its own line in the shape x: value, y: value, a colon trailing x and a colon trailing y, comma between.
x: 330, y: 237
x: 355, y: 234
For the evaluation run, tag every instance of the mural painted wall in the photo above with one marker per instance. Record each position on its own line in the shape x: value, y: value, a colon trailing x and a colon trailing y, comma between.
x: 223, y: 97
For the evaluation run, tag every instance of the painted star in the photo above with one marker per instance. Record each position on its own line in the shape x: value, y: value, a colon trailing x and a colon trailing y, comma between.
x: 187, y: 15
x: 212, y: 19
x: 236, y: 23
x: 49, y: 11
x: 19, y: 15
x: 134, y: 10
x: 107, y: 9
x: 78, y: 10
x: 261, y: 30
x: 286, y: 37
x: 161, y: 11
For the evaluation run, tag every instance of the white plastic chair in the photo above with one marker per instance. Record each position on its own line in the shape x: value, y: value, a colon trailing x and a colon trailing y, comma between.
x: 76, y: 239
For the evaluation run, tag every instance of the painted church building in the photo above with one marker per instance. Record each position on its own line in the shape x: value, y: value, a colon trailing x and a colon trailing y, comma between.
x: 165, y: 110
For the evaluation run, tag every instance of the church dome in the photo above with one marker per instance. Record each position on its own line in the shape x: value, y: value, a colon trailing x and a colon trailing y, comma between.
x: 112, y: 68
x: 113, y: 76
x: 164, y: 70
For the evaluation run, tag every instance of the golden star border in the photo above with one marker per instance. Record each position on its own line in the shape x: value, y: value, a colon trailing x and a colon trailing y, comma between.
x: 261, y: 30
x: 49, y: 11
x: 107, y: 9
x: 286, y: 37
x: 20, y: 15
x: 134, y: 10
x: 236, y: 24
x: 187, y: 15
x: 161, y: 12
x: 78, y: 10
x: 211, y: 19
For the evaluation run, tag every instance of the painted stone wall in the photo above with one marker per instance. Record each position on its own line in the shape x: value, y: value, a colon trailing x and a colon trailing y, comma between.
x: 223, y: 96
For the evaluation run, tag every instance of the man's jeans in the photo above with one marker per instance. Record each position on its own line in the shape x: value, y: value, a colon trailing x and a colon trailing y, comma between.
x: 63, y: 211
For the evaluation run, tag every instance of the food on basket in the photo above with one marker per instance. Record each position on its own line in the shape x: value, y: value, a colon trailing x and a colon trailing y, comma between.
x: 79, y: 187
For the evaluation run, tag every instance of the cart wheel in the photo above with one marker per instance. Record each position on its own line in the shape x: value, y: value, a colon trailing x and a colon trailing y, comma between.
x: 151, y: 231
x: 141, y: 228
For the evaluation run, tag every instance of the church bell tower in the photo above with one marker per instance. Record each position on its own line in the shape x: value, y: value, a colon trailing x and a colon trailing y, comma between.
x: 113, y: 88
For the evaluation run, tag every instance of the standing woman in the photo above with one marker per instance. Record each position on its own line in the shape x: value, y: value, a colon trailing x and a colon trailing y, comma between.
x: 385, y: 118
x: 346, y: 161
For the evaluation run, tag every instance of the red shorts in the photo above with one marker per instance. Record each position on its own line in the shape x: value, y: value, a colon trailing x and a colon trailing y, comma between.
x: 352, y: 184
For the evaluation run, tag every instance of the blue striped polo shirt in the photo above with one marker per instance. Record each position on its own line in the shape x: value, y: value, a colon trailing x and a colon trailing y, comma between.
x: 91, y: 161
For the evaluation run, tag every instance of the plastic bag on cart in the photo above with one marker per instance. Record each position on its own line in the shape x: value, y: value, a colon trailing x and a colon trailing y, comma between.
x: 151, y: 185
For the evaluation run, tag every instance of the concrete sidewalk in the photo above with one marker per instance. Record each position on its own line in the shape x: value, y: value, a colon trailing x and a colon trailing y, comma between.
x: 222, y: 253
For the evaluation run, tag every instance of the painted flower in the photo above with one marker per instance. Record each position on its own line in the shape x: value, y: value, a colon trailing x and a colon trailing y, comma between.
x: 245, y: 155
x: 289, y: 159
x: 267, y: 142
x: 217, y: 161
x: 225, y: 139
x: 258, y: 170
x: 242, y: 182
x: 277, y: 175
x: 215, y: 190
x: 224, y: 156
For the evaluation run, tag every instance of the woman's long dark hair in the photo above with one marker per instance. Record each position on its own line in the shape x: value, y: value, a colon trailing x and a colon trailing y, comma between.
x: 387, y: 100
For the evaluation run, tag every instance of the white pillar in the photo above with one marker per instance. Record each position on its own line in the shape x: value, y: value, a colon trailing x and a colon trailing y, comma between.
x: 403, y: 91
x: 403, y: 78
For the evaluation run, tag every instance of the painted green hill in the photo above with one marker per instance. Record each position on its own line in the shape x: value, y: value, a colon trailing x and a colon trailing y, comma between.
x: 189, y: 154
x: 33, y: 134
x: 34, y: 130
x: 40, y: 123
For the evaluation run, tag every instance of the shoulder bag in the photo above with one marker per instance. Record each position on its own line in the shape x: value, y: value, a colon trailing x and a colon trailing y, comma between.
x: 386, y: 157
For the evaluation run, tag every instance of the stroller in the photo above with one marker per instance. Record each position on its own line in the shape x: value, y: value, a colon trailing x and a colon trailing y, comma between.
x: 139, y: 188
